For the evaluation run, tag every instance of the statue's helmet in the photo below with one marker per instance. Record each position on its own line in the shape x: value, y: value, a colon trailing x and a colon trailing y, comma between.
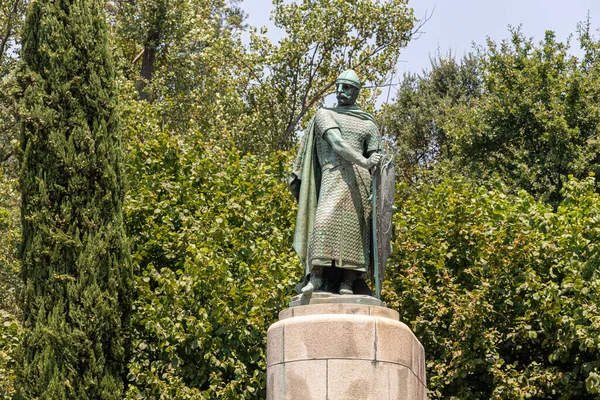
x: 349, y: 77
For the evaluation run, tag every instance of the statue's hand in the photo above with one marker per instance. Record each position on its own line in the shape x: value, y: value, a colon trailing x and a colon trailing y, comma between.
x: 294, y: 185
x: 374, y: 160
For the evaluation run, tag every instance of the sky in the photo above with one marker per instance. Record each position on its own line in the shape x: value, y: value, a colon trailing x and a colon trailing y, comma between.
x: 454, y: 25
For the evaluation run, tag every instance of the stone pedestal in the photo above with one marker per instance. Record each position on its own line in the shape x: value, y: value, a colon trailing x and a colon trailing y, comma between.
x: 338, y: 350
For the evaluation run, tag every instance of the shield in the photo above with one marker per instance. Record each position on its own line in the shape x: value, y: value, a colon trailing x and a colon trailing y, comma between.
x: 385, y: 187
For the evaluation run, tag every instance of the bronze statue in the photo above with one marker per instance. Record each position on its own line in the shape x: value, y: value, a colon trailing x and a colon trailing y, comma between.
x: 332, y: 182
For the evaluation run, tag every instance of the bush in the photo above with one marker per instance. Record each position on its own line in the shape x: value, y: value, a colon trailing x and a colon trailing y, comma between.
x: 212, y: 243
x: 10, y: 328
x: 501, y: 290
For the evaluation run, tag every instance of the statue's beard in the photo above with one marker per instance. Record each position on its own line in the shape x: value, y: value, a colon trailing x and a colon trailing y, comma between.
x: 343, y: 99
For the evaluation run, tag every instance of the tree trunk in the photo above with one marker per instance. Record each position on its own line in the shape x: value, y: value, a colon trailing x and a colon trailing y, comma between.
x: 147, y: 64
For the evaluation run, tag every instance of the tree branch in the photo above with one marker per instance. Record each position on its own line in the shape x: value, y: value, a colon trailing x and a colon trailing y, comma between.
x: 138, y: 57
x: 9, y: 27
x: 353, y: 49
x: 416, y: 32
x: 303, y: 111
x: 311, y: 73
x: 254, y: 74
x: 6, y: 157
x: 305, y: 107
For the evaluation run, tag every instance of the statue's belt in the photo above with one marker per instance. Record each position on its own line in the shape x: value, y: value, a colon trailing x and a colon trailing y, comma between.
x: 330, y: 165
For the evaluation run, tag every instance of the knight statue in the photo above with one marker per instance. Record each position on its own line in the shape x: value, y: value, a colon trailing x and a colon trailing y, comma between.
x: 336, y: 191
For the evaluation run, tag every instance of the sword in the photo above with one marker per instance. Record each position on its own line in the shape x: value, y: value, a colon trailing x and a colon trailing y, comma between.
x: 374, y: 206
x: 374, y: 234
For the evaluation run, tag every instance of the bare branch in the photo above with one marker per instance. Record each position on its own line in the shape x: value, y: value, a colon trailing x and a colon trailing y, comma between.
x: 416, y: 31
x: 248, y: 67
x: 387, y: 101
x: 311, y: 74
x: 371, y: 54
x: 255, y: 75
x: 381, y: 86
x: 305, y: 108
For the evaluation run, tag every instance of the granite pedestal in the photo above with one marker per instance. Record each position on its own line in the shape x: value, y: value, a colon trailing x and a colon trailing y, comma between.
x: 330, y: 347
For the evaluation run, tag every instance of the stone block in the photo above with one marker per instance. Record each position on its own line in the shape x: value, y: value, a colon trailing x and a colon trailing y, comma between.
x: 395, y: 342
x: 401, y: 382
x: 329, y: 336
x: 421, y: 393
x: 275, y: 341
x: 384, y: 312
x: 287, y: 313
x: 352, y: 309
x: 357, y: 380
x: 275, y: 382
x: 331, y: 351
x: 404, y: 385
x: 419, y: 361
x: 300, y: 380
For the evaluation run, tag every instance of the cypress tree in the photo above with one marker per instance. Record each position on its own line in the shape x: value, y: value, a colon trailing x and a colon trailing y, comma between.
x: 76, y: 268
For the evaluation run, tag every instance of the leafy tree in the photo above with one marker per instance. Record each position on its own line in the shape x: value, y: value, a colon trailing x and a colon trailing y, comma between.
x: 11, y: 16
x: 416, y: 123
x: 212, y: 231
x: 169, y: 34
x: 202, y: 75
x: 501, y: 290
x: 537, y: 120
x: 177, y: 54
x: 322, y: 38
x: 75, y: 258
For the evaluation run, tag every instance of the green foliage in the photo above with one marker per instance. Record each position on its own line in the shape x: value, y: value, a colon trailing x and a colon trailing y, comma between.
x: 538, y: 118
x: 323, y: 38
x: 75, y: 257
x: 11, y: 16
x: 517, y: 111
x: 10, y: 334
x: 185, y: 49
x: 10, y: 329
x: 202, y: 75
x: 11, y: 19
x: 501, y: 290
x: 212, y: 232
x: 417, y: 121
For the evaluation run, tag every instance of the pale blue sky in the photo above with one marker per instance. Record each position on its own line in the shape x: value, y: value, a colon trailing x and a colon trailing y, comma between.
x: 456, y: 24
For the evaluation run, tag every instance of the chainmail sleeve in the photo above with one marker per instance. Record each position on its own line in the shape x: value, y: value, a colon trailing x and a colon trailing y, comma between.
x: 324, y: 121
x: 373, y: 140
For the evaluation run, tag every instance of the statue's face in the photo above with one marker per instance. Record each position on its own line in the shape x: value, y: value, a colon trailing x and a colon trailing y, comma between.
x: 346, y: 94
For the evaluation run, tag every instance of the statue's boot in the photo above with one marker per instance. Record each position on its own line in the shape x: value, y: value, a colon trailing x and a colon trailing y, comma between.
x: 347, y: 282
x: 315, y: 282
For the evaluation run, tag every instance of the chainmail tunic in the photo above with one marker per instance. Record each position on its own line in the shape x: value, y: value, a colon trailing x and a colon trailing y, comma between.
x: 342, y: 230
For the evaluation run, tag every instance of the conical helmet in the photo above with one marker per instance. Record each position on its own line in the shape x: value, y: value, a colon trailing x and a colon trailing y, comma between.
x: 349, y: 77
